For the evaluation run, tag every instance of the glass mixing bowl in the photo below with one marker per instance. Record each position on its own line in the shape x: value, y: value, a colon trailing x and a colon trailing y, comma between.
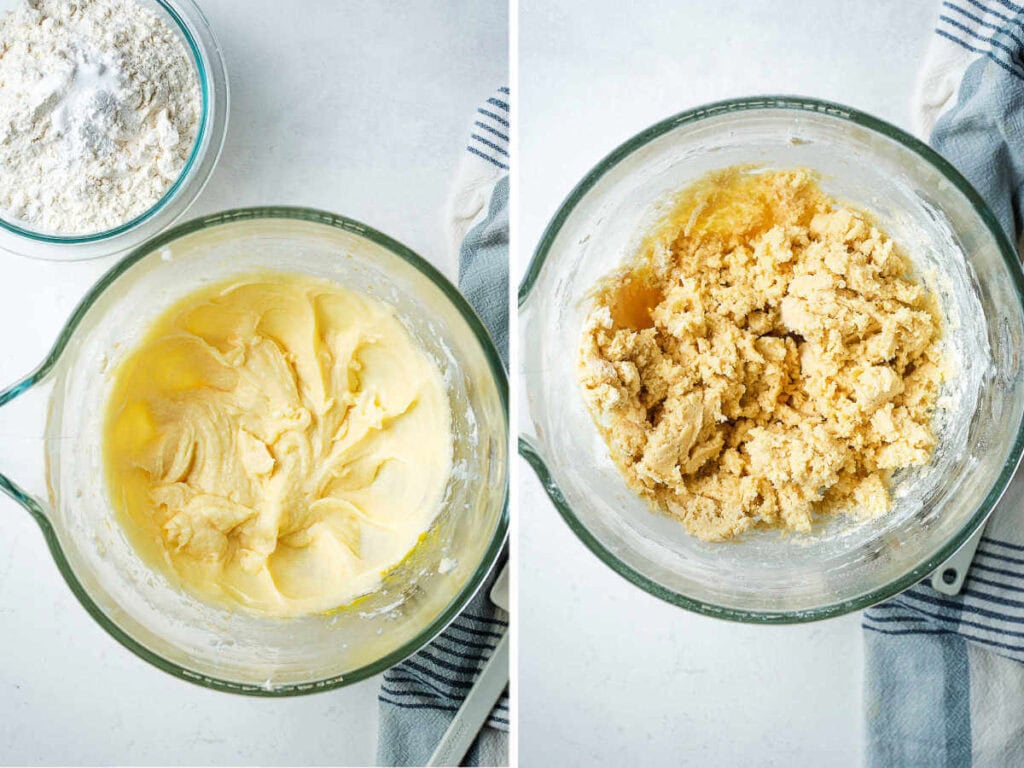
x: 928, y: 207
x: 56, y: 472
x: 187, y: 21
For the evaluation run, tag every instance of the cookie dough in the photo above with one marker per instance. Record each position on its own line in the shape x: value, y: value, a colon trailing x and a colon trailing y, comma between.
x: 277, y: 442
x: 766, y: 359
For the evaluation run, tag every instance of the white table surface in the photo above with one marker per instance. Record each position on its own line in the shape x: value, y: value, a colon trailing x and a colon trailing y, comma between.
x: 608, y: 674
x: 361, y: 108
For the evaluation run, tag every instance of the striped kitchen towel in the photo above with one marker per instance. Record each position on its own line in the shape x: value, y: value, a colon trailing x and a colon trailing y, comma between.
x: 419, y: 697
x: 944, y: 676
x: 478, y: 217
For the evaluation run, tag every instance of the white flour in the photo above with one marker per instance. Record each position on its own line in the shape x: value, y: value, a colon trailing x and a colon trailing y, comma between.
x: 99, y: 111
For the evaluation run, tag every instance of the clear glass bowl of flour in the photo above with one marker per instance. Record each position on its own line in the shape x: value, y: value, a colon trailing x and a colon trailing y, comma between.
x: 52, y: 422
x: 943, y: 225
x: 190, y: 26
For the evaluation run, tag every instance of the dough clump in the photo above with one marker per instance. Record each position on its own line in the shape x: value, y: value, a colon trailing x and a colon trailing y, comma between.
x: 766, y: 359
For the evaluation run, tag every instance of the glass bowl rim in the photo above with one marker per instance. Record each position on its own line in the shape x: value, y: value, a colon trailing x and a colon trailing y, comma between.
x: 534, y: 456
x: 152, y: 246
x: 198, y: 145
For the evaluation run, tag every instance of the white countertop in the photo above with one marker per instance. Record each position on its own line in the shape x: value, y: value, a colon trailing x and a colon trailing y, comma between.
x: 359, y: 108
x: 608, y: 674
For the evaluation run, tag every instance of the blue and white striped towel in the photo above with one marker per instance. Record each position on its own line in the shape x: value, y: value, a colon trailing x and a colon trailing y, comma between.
x: 419, y: 697
x: 944, y: 678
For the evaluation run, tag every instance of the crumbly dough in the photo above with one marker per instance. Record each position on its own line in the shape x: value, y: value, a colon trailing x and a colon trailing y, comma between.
x: 277, y: 442
x: 766, y: 359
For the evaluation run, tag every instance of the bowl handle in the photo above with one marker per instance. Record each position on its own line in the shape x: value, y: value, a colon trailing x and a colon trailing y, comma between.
x: 529, y: 451
x: 950, y: 577
x: 22, y: 418
x: 529, y: 441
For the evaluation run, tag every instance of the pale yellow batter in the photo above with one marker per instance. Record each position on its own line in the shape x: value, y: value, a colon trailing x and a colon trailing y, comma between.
x: 277, y: 442
x: 766, y: 359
